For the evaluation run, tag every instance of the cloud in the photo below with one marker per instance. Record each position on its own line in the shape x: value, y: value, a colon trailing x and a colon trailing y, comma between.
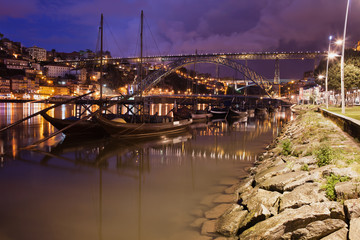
x: 17, y: 8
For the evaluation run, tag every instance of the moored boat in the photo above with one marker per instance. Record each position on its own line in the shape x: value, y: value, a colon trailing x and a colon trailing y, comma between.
x: 233, y: 113
x: 142, y: 130
x: 218, y: 113
x: 82, y: 128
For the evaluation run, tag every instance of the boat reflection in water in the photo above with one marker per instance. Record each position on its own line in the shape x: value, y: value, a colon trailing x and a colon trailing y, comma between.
x: 116, y: 189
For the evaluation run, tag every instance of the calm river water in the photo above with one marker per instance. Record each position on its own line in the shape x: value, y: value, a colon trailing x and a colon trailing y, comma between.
x: 106, y: 189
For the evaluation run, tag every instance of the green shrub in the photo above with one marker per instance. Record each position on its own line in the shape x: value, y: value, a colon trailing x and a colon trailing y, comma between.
x: 331, y: 181
x: 305, y: 167
x: 324, y: 155
x: 286, y: 147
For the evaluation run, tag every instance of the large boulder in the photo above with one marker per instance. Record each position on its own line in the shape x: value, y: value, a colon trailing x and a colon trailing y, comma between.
x: 258, y: 196
x: 343, y: 172
x: 282, y: 182
x: 352, y: 208
x: 338, y: 235
x: 257, y: 214
x: 271, y: 171
x: 302, y: 195
x: 217, y: 211
x: 318, y: 229
x: 347, y: 190
x: 291, y: 220
x: 228, y: 224
x: 354, y: 231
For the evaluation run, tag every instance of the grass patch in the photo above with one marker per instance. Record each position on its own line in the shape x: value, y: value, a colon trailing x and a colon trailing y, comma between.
x: 324, y: 155
x: 305, y: 167
x: 286, y: 147
x: 353, y: 112
x: 331, y: 181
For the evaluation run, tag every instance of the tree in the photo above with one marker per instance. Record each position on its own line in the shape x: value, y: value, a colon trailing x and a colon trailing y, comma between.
x: 351, y: 76
x: 1, y: 36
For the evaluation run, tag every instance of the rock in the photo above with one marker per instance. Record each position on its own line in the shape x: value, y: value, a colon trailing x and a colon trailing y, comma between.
x: 309, y: 160
x: 288, y: 221
x: 225, y: 198
x: 343, y: 172
x: 270, y: 172
x: 245, y: 185
x: 232, y: 189
x: 197, y: 213
x: 302, y: 195
x: 279, y: 182
x: 228, y: 223
x: 208, y: 200
x: 347, y: 190
x: 338, y: 235
x: 208, y: 227
x: 257, y: 214
x: 217, y: 211
x: 354, y: 231
x: 352, y: 208
x: 318, y: 229
x: 226, y: 238
x: 198, y: 222
x: 260, y: 196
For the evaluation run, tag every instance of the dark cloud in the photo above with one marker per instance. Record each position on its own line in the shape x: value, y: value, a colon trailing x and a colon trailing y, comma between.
x: 180, y: 26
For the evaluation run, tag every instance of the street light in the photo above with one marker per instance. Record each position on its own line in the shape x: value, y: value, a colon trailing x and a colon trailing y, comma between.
x: 327, y: 74
x: 342, y: 61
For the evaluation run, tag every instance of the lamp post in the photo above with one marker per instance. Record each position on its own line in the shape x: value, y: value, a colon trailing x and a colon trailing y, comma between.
x: 342, y: 61
x: 326, y: 75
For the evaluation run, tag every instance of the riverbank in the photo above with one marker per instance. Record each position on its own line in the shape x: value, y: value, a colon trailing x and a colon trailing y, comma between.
x: 305, y: 186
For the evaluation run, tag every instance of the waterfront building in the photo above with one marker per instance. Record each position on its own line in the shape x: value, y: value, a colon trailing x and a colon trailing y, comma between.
x: 56, y: 70
x: 46, y: 90
x: 16, y: 64
x: 22, y: 84
x: 4, y: 85
x: 37, y: 53
x: 80, y: 74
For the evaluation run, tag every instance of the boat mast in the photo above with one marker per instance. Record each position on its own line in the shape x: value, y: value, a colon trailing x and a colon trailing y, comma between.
x: 101, y: 55
x: 141, y: 52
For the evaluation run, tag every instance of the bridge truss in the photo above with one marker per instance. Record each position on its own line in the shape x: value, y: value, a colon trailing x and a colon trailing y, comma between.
x: 154, y: 78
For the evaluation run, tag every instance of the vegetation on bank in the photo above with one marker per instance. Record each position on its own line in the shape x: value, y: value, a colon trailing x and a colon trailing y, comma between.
x: 315, y: 135
x: 352, y: 112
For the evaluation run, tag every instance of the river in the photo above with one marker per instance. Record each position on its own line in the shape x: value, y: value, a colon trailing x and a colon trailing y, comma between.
x: 108, y: 189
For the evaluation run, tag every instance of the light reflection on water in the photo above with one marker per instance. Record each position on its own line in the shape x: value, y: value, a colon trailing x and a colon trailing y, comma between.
x: 106, y: 189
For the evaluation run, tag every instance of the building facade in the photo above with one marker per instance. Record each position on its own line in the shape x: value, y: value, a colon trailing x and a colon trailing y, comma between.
x: 16, y: 64
x: 37, y: 53
x: 56, y: 70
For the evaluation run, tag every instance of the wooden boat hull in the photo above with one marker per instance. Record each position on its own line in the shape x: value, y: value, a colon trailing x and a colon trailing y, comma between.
x: 236, y: 114
x: 142, y: 130
x: 218, y: 113
x: 84, y: 128
x: 201, y: 117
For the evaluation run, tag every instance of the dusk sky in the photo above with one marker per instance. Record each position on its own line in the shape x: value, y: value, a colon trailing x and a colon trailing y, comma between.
x: 179, y: 26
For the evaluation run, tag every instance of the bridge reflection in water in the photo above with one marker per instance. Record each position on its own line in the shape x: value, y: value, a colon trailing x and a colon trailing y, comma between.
x: 106, y: 189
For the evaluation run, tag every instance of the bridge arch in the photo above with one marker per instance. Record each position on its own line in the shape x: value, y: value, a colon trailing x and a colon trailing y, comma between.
x: 152, y: 79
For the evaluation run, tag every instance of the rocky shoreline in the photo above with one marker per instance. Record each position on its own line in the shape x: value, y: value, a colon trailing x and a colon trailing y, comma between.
x: 305, y: 186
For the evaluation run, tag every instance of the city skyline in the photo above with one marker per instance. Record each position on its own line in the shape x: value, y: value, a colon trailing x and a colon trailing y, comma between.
x: 180, y: 27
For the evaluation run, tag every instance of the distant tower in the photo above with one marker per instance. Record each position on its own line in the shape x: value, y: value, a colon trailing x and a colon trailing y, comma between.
x: 277, y: 75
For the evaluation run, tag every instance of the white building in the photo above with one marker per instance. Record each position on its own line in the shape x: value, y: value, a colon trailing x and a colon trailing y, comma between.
x: 56, y: 70
x: 37, y: 53
x: 16, y: 64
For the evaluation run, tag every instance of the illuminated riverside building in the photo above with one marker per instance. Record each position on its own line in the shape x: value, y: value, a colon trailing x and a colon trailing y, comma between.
x: 37, y: 53
x: 56, y: 70
x: 16, y: 64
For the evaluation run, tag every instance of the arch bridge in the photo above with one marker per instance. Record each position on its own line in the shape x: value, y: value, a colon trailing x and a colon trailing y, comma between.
x: 154, y: 78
